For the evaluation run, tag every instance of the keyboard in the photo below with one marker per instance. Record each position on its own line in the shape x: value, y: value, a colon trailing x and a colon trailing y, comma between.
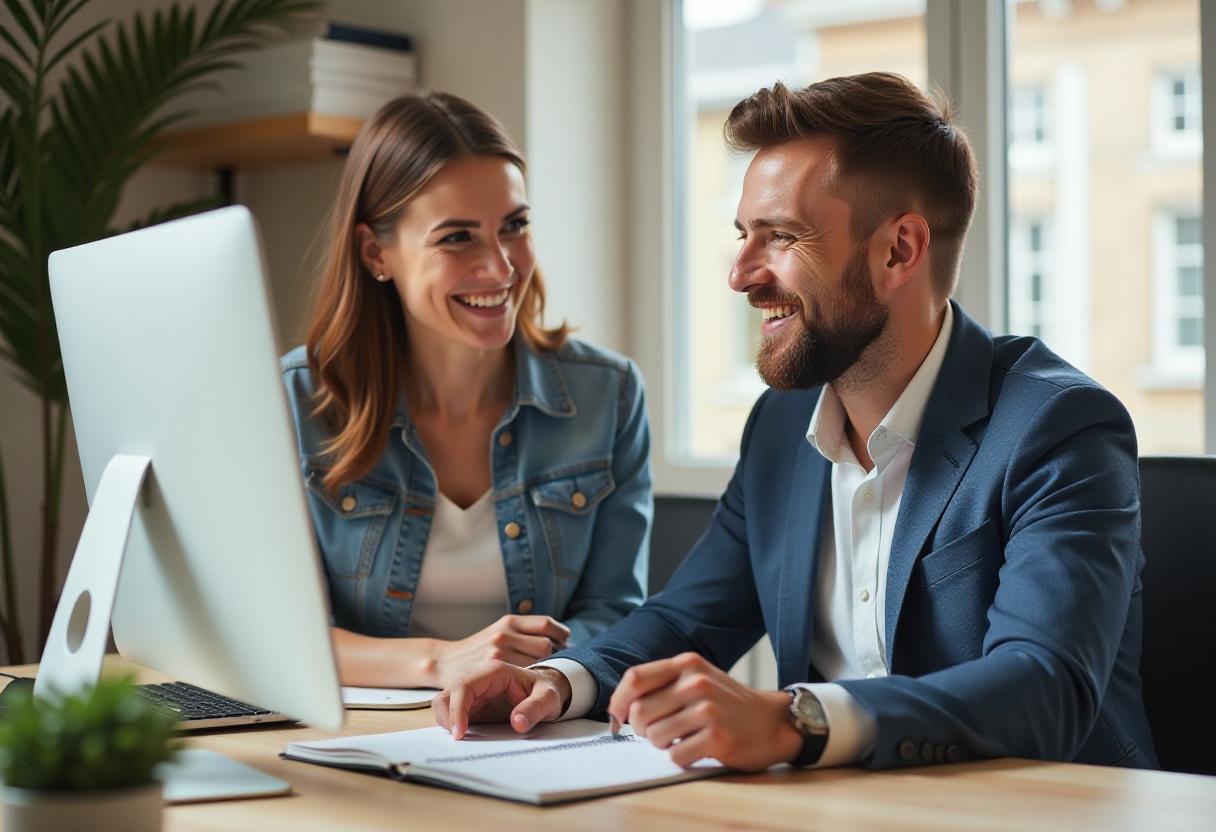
x: 196, y: 708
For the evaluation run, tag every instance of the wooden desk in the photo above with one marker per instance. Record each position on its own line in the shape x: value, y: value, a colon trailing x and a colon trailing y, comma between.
x: 1004, y: 794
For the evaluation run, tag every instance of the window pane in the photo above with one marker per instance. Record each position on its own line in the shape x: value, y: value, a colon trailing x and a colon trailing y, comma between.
x: 1121, y: 260
x: 732, y: 48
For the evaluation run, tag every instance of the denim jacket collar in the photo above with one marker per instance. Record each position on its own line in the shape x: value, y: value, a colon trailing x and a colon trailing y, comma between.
x: 538, y: 383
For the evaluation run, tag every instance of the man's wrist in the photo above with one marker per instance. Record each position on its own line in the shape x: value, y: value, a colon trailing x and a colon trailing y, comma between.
x: 559, y: 680
x: 787, y: 744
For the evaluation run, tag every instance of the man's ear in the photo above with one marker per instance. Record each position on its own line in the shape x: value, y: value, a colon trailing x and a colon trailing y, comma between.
x: 371, y: 253
x: 907, y: 248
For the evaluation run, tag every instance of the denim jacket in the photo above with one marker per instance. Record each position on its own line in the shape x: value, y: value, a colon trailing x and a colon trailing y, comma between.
x: 572, y: 493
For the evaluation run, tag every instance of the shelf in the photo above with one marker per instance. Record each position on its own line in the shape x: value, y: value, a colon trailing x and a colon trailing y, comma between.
x: 276, y: 140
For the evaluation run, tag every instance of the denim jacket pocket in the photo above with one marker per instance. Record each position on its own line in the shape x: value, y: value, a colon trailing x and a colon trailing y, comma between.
x: 350, y: 524
x: 566, y: 506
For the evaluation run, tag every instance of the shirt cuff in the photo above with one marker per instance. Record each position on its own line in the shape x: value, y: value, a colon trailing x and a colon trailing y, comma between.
x: 583, y: 686
x: 851, y: 729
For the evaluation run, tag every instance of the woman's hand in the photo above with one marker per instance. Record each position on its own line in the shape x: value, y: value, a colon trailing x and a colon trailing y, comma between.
x: 516, y: 639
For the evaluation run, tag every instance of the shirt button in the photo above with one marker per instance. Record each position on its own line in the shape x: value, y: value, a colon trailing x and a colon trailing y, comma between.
x: 505, y: 439
x: 349, y: 503
x: 864, y: 595
x: 868, y: 497
x: 512, y: 530
x: 873, y: 674
x: 578, y: 499
x: 524, y: 607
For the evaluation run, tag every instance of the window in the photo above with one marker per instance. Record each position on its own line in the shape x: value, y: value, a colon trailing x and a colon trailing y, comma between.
x: 1028, y: 115
x: 731, y: 50
x: 1178, y: 298
x: 1176, y: 112
x: 1029, y: 262
x: 1110, y: 280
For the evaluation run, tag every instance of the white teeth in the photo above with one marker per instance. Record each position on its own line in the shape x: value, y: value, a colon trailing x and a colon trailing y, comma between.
x: 485, y: 301
x: 770, y: 313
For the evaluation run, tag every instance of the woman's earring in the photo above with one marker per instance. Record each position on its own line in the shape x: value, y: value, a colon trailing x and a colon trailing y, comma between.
x: 382, y: 277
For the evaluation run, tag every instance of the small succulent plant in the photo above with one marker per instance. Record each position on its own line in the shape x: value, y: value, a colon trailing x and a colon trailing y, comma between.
x: 101, y: 738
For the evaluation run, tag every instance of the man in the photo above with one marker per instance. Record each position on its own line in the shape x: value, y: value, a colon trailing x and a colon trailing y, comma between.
x: 947, y: 558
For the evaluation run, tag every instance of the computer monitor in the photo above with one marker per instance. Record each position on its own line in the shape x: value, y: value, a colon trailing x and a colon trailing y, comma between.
x: 170, y: 356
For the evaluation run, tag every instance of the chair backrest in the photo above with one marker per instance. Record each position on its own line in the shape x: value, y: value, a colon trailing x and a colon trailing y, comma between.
x: 1178, y: 663
x: 679, y: 522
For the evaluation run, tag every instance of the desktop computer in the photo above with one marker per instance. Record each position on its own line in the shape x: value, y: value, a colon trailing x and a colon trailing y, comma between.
x: 198, y: 547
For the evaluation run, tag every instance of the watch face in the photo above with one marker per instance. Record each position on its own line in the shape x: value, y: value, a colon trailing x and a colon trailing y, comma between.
x: 809, y: 712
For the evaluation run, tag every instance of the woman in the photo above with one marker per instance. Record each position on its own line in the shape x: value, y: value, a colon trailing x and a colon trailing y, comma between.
x: 479, y: 484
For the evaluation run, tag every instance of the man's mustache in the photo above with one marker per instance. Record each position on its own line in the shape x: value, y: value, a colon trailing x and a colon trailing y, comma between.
x: 771, y: 296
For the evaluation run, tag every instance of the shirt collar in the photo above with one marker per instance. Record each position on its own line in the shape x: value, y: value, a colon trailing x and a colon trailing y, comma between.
x: 902, y: 423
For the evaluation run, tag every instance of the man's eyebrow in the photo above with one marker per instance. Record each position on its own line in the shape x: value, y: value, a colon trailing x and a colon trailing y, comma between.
x: 516, y: 212
x: 775, y: 221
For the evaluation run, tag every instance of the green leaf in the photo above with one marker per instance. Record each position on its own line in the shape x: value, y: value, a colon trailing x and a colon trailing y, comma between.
x: 19, y: 13
x: 16, y: 47
x: 72, y: 45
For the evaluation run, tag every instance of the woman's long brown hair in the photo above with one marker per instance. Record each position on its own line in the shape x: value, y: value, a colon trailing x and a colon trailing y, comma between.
x: 357, y: 337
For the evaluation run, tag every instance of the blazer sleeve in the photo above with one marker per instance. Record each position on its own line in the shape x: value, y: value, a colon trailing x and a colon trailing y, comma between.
x: 1070, y: 502
x: 613, y: 581
x: 709, y: 606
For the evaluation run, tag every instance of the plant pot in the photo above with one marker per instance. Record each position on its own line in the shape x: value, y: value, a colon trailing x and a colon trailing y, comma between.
x: 138, y: 809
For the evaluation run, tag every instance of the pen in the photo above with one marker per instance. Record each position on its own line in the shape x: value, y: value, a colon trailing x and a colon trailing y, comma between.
x: 614, y: 725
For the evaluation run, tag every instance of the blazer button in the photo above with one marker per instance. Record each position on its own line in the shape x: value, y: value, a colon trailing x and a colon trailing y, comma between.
x: 954, y: 753
x: 505, y: 439
x: 349, y: 503
x: 578, y: 499
x: 524, y: 607
x: 907, y: 751
x: 512, y: 530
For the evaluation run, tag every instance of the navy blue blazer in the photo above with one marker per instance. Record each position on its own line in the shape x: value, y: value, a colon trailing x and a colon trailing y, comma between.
x: 1013, y: 605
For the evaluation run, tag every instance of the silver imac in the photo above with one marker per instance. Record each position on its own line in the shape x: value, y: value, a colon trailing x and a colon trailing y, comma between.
x: 198, y: 546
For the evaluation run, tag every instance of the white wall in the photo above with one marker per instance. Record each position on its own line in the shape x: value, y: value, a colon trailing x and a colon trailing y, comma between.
x: 577, y: 58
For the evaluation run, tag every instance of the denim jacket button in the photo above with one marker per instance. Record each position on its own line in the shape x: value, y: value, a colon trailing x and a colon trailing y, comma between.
x: 524, y: 607
x: 505, y: 439
x: 349, y: 503
x: 578, y: 499
x: 512, y: 530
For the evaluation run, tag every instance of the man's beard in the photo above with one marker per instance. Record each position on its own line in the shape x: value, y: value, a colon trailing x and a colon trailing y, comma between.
x: 830, y: 344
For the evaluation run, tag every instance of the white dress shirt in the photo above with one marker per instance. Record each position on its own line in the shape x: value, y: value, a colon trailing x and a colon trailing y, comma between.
x: 854, y: 548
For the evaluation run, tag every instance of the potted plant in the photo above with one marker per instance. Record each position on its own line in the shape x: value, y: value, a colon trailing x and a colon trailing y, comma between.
x: 84, y: 761
x: 80, y: 113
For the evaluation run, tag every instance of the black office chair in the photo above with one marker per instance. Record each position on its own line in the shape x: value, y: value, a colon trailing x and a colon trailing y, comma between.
x: 1178, y: 665
x: 679, y: 522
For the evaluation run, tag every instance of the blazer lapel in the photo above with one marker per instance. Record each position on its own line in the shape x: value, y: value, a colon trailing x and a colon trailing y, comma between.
x: 809, y: 493
x: 943, y: 452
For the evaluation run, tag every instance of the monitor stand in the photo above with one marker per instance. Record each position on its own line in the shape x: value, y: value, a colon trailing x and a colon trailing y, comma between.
x: 76, y: 644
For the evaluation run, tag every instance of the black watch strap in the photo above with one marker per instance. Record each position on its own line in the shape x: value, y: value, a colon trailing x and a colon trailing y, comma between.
x: 813, y: 741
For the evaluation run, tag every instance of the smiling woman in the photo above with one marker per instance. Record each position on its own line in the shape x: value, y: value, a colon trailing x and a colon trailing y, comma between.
x: 479, y: 483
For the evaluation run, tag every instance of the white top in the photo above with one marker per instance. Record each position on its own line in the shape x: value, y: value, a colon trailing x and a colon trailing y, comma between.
x: 854, y: 549
x: 462, y: 587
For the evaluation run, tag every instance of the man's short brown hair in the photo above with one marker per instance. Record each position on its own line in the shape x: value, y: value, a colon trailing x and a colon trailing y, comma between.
x: 896, y: 149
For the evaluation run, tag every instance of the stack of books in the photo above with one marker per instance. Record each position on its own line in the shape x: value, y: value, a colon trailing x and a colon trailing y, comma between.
x: 348, y: 72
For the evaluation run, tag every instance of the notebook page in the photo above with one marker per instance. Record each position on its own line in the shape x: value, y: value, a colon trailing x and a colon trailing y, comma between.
x: 550, y: 767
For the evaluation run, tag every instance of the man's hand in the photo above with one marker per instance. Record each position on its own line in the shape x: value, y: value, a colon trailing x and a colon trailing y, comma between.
x: 516, y: 639
x: 687, y: 705
x: 500, y: 692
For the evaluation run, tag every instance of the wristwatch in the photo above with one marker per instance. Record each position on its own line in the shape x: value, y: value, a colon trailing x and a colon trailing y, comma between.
x: 807, y: 716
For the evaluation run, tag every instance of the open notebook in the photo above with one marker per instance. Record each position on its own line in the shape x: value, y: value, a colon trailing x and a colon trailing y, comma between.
x: 554, y: 763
